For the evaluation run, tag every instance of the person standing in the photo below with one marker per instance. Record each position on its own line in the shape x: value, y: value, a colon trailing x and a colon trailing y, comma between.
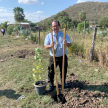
x: 58, y: 42
x: 3, y: 31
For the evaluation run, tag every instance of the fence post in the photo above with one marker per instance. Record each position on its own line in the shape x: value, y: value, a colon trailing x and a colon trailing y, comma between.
x: 39, y: 37
x: 92, y: 45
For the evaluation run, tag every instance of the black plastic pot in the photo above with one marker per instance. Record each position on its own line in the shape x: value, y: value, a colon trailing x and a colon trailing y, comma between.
x: 40, y: 87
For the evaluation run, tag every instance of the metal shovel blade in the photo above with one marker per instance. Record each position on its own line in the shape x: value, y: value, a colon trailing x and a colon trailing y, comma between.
x: 58, y: 98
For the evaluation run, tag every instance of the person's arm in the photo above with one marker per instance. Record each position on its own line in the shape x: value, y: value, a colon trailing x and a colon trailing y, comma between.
x: 66, y: 43
x: 49, y: 46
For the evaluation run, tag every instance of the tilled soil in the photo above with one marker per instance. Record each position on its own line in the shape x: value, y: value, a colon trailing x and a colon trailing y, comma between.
x: 77, y: 96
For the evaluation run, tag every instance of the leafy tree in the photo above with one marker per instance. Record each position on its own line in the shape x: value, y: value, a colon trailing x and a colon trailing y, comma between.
x: 5, y: 24
x: 103, y: 21
x: 26, y: 20
x: 32, y: 24
x: 82, y: 17
x: 74, y: 23
x: 64, y: 19
x: 18, y: 14
x: 81, y: 25
x: 48, y: 24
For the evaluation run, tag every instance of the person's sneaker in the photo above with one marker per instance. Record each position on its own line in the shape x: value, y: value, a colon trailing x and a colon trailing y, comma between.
x: 51, y: 88
x: 66, y: 85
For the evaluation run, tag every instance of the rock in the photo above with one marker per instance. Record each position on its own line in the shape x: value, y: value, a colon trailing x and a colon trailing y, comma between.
x: 2, y: 60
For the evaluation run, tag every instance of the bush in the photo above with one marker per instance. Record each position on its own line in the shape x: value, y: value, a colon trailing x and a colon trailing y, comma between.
x: 102, y: 33
x: 13, y: 33
x: 33, y: 38
x: 33, y: 29
x: 10, y: 29
x: 24, y: 33
x: 81, y: 25
x: 78, y: 49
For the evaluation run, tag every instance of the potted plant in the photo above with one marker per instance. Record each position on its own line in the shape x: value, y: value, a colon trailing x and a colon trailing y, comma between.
x: 40, y: 85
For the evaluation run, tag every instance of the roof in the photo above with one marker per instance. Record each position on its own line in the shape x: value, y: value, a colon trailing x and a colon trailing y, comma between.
x: 17, y: 23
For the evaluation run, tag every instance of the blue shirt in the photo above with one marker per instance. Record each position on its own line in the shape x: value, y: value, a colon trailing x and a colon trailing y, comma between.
x: 60, y: 37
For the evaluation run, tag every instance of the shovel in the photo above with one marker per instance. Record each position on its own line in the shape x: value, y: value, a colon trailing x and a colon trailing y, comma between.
x: 59, y: 97
x: 63, y: 63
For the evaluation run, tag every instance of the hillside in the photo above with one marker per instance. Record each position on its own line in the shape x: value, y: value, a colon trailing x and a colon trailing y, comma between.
x: 94, y: 10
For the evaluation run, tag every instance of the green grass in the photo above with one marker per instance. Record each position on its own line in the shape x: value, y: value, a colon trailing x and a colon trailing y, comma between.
x: 16, y: 75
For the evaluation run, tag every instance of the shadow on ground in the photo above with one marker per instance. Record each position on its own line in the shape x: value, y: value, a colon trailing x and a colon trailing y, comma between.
x: 9, y: 93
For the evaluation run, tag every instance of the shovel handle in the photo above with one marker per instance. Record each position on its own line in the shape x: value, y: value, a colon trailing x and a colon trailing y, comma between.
x: 54, y: 65
x: 63, y: 62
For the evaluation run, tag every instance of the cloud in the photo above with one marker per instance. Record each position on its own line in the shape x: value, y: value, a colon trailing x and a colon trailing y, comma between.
x: 2, y: 9
x: 10, y: 8
x: 42, y: 3
x: 34, y: 17
x: 39, y: 12
x: 27, y: 1
x: 79, y: 1
x: 6, y: 17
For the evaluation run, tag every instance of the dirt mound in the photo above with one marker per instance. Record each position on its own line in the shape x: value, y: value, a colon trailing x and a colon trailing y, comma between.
x: 20, y: 54
x: 77, y: 95
x: 24, y: 53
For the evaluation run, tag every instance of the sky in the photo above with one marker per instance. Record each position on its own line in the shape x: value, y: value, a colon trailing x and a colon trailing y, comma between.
x: 36, y: 10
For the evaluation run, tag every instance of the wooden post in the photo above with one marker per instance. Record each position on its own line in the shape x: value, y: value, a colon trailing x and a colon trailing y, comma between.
x: 74, y: 29
x: 39, y: 36
x: 84, y: 25
x: 93, y: 43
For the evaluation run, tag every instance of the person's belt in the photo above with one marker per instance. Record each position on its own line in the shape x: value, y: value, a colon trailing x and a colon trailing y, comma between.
x: 58, y: 57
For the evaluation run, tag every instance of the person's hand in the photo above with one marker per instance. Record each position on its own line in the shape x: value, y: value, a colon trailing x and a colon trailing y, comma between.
x: 64, y: 42
x: 51, y: 44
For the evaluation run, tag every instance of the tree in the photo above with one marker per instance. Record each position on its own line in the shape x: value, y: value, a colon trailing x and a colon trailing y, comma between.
x: 64, y: 19
x: 74, y: 23
x: 5, y: 24
x: 81, y: 25
x: 18, y: 14
x: 26, y: 20
x: 103, y: 21
x: 82, y: 17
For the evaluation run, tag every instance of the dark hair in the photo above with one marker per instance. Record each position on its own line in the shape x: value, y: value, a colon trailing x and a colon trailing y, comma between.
x: 55, y: 21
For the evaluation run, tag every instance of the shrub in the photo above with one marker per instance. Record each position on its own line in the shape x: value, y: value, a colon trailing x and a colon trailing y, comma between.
x: 33, y: 29
x: 33, y: 38
x: 10, y: 29
x: 24, y: 33
x: 78, y: 49
x: 102, y: 33
x: 13, y: 33
x: 81, y: 25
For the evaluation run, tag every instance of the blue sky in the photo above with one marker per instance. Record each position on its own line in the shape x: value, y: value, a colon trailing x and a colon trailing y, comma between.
x: 36, y: 10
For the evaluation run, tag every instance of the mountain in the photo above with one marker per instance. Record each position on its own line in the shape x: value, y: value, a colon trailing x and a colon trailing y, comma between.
x: 94, y: 11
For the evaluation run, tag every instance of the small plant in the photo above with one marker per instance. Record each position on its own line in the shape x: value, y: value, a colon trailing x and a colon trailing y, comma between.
x: 24, y: 33
x: 33, y: 38
x: 37, y: 65
x: 102, y: 34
